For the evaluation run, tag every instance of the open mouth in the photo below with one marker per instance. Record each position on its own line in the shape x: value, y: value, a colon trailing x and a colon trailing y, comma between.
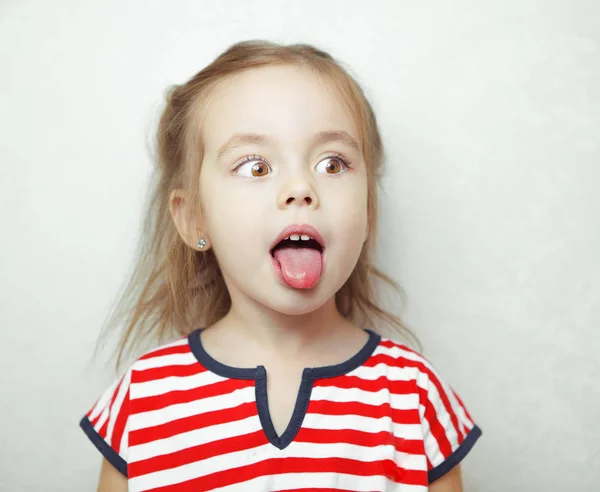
x: 297, y: 244
x: 298, y: 262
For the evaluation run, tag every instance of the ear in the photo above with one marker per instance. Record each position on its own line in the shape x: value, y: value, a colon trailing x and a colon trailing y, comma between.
x: 188, y: 223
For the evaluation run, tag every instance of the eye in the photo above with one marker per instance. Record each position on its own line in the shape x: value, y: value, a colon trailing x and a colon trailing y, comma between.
x: 337, y: 164
x: 258, y: 169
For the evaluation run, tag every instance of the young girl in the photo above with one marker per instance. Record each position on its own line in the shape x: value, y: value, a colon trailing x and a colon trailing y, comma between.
x: 261, y: 233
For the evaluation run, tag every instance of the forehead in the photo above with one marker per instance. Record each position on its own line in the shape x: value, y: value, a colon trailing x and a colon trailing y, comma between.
x: 288, y: 103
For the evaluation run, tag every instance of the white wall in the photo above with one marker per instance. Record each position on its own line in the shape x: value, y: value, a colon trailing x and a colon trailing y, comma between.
x: 489, y: 111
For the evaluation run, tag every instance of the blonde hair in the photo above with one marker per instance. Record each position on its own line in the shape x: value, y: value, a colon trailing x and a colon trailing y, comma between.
x: 175, y: 289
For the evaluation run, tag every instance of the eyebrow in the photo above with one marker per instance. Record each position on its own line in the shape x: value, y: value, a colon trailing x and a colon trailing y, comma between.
x: 240, y: 139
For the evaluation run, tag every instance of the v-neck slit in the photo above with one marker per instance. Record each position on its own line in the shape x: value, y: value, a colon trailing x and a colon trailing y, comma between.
x: 298, y: 413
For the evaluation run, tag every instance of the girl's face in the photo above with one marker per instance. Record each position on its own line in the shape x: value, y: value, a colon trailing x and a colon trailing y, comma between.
x: 254, y: 187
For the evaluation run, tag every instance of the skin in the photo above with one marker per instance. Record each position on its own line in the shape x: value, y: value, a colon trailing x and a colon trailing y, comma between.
x: 245, y: 213
x: 111, y: 479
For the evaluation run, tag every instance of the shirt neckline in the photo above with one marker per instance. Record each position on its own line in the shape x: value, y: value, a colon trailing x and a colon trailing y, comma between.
x: 258, y: 372
x: 259, y: 375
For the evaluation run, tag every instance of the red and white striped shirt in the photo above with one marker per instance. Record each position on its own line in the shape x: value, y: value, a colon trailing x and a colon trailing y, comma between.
x: 179, y: 420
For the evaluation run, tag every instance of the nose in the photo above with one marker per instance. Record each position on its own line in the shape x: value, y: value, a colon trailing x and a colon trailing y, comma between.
x: 300, y: 192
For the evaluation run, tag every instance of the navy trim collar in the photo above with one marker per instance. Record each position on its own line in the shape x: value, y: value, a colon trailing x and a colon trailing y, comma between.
x: 257, y: 373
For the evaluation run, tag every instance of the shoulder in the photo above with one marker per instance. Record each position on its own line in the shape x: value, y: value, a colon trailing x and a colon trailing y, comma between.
x: 153, y: 363
x: 402, y: 363
x: 176, y: 351
x: 108, y: 421
x: 448, y: 430
x: 399, y: 355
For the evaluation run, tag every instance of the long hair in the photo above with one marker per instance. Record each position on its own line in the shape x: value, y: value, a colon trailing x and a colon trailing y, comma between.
x: 173, y: 288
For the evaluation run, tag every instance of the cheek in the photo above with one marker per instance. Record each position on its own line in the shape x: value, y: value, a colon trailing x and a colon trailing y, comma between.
x: 348, y: 215
x: 229, y: 225
x: 232, y: 225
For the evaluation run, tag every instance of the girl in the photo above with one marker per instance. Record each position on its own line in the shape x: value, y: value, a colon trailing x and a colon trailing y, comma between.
x: 262, y: 226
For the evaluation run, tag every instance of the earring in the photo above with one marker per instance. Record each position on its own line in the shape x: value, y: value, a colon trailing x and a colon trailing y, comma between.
x: 201, y: 243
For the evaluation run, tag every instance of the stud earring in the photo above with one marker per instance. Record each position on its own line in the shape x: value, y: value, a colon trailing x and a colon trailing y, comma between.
x: 201, y: 243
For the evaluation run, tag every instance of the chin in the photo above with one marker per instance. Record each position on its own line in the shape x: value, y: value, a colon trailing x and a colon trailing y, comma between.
x: 295, y: 303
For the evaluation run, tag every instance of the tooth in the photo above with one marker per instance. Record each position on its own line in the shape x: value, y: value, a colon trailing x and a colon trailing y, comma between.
x: 294, y: 237
x: 286, y: 237
x: 304, y: 237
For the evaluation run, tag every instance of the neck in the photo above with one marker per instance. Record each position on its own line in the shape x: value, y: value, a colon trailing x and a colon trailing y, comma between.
x: 287, y: 333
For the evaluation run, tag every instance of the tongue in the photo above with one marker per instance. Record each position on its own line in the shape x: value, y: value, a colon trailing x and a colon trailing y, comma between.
x: 300, y: 267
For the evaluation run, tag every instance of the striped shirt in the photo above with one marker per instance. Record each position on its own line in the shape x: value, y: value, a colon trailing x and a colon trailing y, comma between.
x: 179, y: 420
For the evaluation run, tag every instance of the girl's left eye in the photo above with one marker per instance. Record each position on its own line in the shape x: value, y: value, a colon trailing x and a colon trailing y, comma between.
x: 337, y: 164
x: 338, y: 161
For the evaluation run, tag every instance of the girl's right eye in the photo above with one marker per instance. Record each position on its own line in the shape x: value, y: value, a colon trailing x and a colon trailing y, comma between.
x: 258, y: 169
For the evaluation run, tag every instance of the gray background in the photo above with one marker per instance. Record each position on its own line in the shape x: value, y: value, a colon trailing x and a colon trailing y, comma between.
x: 489, y: 220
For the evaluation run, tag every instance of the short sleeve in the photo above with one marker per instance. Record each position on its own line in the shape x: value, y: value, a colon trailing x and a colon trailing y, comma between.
x: 105, y: 423
x: 449, y: 432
